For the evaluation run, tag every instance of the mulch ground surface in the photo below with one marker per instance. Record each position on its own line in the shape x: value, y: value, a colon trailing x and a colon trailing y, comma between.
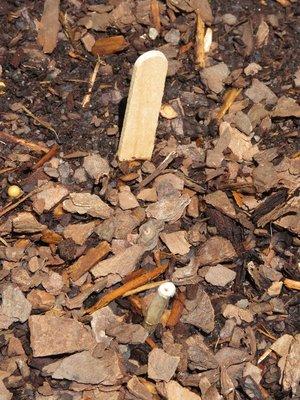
x: 86, y: 240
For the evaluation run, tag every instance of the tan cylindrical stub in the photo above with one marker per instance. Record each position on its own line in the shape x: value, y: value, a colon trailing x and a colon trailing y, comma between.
x: 158, y: 305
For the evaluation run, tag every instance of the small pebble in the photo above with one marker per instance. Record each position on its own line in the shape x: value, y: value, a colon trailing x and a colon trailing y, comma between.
x: 229, y: 19
x: 173, y: 36
x: 152, y: 33
x: 279, y: 327
x: 14, y: 191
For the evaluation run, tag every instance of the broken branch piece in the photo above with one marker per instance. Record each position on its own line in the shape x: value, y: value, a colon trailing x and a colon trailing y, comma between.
x: 158, y: 305
x: 176, y: 310
x: 199, y: 46
x: 51, y: 153
x: 117, y: 293
x: 143, y: 105
x: 92, y: 80
x: 155, y: 14
x: 87, y: 261
x: 228, y: 100
x: 16, y: 140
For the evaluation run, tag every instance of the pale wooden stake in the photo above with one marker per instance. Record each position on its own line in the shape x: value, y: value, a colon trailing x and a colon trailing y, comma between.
x: 143, y: 105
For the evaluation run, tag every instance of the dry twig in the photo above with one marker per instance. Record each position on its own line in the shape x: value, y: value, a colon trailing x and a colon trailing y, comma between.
x: 163, y: 165
x: 199, y: 45
x: 92, y: 80
x: 142, y: 288
x: 176, y: 310
x: 117, y: 293
x: 16, y: 140
x: 87, y: 261
x: 45, y: 124
x: 47, y: 157
x: 155, y: 15
x: 228, y: 100
x: 14, y: 205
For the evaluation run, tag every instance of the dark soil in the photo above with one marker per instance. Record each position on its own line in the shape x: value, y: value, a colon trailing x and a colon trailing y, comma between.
x: 52, y: 87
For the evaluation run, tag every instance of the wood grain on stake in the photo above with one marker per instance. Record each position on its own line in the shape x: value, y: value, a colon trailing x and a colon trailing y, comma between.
x: 143, y: 105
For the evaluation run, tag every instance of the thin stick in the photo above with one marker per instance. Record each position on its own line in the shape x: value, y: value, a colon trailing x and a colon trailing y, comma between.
x: 117, y: 293
x: 142, y: 288
x: 228, y: 100
x: 14, y: 205
x: 155, y: 15
x: 199, y: 47
x: 133, y: 275
x: 176, y: 310
x: 68, y: 31
x: 266, y: 334
x: 163, y: 165
x: 2, y: 171
x: 190, y: 183
x: 88, y: 260
x: 45, y: 124
x: 92, y: 80
x: 4, y: 241
x: 16, y: 140
x: 51, y: 153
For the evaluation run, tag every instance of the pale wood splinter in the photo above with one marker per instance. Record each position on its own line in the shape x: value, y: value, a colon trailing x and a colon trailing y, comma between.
x: 143, y: 105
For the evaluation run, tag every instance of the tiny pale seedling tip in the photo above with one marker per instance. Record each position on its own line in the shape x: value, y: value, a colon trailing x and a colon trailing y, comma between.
x: 167, y: 290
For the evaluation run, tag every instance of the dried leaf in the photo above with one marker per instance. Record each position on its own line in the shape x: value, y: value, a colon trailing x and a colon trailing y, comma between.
x: 286, y: 107
x: 247, y: 37
x: 291, y: 376
x: 214, y: 76
x: 168, y: 112
x: 239, y: 198
x: 109, y: 45
x: 49, y: 26
x: 262, y: 34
